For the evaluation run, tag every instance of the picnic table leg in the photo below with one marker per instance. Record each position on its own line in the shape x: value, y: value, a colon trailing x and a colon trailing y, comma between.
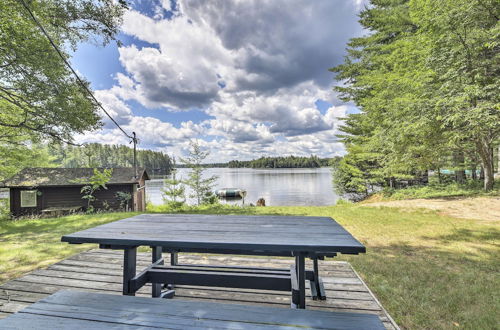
x: 317, y: 286
x: 156, y: 255
x: 174, y: 261
x: 300, y: 268
x: 129, y: 269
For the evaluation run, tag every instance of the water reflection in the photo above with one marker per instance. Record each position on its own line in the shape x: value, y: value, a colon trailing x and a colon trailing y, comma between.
x: 276, y: 186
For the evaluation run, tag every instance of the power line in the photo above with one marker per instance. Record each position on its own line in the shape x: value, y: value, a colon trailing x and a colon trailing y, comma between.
x: 134, y: 139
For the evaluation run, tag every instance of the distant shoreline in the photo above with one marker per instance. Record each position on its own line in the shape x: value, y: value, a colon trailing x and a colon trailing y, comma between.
x: 275, y: 162
x: 255, y: 168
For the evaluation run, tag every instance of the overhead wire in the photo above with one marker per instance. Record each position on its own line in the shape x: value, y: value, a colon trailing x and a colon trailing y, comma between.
x: 80, y: 81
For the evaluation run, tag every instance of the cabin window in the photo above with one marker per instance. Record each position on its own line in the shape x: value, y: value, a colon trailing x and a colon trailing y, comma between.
x: 28, y: 198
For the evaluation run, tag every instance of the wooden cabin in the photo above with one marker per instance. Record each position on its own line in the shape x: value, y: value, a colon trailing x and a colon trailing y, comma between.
x: 43, y: 190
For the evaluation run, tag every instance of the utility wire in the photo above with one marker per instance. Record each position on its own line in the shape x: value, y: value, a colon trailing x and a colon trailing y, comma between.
x: 134, y: 139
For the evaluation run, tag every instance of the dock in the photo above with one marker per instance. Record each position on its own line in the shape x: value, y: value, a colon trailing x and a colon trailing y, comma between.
x: 101, y: 271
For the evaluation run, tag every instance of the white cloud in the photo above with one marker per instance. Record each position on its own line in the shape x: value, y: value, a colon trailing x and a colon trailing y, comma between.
x: 118, y: 109
x: 183, y: 72
x: 289, y: 111
x: 257, y: 67
x: 240, y: 132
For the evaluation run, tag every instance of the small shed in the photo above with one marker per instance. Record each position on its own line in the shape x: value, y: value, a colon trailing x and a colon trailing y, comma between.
x: 38, y: 190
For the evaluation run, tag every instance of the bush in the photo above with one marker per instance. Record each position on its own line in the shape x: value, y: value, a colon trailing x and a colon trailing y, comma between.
x: 343, y: 202
x: 4, y: 209
x: 210, y: 198
x: 124, y: 198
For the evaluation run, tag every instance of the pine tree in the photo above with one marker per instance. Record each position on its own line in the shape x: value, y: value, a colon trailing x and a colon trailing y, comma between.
x: 426, y: 81
x: 202, y: 188
x: 174, y: 191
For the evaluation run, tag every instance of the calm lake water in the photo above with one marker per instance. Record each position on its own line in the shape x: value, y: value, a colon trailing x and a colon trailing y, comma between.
x: 297, y: 186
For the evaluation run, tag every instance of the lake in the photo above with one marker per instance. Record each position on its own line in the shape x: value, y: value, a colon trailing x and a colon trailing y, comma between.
x: 279, y: 187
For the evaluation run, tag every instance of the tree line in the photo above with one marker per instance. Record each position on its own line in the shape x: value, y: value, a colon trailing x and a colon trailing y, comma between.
x: 281, y: 162
x: 104, y: 155
x: 426, y: 81
x: 89, y: 155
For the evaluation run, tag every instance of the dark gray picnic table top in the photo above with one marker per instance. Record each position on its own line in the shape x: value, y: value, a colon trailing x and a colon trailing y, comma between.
x: 84, y: 310
x: 235, y: 232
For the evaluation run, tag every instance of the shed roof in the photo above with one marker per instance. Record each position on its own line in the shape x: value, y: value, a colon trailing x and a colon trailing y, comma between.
x: 42, y: 177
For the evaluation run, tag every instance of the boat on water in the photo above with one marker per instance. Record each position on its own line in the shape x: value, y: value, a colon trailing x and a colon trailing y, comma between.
x: 231, y: 193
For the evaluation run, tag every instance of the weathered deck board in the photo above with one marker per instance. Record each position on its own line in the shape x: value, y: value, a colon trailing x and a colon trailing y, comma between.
x: 69, y: 309
x: 100, y: 271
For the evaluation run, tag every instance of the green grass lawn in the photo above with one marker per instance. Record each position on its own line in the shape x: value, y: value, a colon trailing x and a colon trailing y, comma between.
x: 29, y: 244
x: 429, y: 271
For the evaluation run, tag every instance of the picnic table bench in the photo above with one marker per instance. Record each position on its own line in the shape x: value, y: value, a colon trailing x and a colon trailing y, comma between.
x: 294, y: 236
x: 84, y: 310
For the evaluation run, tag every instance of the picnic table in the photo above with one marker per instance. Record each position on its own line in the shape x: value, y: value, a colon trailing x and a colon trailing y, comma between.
x: 295, y: 236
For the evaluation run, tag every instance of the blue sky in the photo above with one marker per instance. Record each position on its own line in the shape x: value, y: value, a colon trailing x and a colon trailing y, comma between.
x: 243, y: 78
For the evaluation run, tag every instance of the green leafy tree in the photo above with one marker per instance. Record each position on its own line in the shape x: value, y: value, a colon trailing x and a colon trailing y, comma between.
x: 409, y: 79
x: 39, y: 97
x: 40, y: 94
x: 174, y: 191
x: 97, y: 181
x: 463, y: 43
x: 202, y: 187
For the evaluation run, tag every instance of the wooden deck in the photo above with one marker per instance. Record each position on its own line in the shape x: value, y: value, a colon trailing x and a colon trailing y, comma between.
x: 101, y: 271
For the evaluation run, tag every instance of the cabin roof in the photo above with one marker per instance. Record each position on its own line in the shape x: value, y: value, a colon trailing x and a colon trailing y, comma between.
x: 43, y: 177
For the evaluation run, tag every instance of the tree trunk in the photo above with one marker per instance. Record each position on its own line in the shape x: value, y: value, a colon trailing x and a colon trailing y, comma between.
x: 459, y: 165
x: 425, y: 177
x: 498, y: 156
x: 474, y: 164
x: 473, y: 173
x: 392, y: 183
x: 484, y: 150
x: 492, y: 161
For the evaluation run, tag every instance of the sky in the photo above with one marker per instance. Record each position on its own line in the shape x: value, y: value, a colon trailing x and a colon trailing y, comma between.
x: 244, y: 78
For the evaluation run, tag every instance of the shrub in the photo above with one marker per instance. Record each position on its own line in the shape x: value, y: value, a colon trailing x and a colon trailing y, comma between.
x: 4, y: 209
x: 123, y: 197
